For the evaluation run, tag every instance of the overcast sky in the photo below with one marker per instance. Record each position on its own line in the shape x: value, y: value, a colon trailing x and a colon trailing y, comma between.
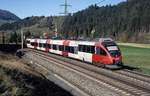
x: 25, y: 8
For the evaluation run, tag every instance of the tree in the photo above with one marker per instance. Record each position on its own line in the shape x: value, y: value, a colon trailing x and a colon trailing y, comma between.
x: 14, y: 37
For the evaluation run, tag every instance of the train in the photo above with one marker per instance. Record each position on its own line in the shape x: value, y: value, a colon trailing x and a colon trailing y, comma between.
x: 102, y: 52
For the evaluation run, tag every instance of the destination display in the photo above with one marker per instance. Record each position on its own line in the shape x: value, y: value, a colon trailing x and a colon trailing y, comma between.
x: 112, y: 48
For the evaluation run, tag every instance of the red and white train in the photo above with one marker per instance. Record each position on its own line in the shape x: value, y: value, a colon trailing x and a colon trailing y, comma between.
x: 102, y: 52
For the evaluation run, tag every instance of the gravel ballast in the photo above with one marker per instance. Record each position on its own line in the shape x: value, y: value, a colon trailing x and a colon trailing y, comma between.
x: 89, y: 85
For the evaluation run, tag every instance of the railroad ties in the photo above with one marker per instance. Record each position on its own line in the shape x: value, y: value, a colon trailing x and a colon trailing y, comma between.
x: 83, y: 79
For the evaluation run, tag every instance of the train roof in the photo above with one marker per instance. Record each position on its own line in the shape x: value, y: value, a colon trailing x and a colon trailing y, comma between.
x: 86, y: 41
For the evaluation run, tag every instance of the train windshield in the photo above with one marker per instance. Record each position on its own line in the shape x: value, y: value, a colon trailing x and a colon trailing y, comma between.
x: 112, y: 48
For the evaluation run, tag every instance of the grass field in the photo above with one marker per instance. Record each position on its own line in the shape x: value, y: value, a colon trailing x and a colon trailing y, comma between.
x: 137, y: 57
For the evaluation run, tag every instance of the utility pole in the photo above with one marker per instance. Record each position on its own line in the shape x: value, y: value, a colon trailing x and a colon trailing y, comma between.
x: 65, y: 5
x: 22, y: 38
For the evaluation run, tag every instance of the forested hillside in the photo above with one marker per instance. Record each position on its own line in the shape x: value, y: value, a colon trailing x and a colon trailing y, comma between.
x: 34, y: 26
x: 127, y: 21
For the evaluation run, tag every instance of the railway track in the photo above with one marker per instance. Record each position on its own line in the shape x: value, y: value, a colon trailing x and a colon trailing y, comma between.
x: 123, y: 82
x: 133, y: 74
x: 88, y: 81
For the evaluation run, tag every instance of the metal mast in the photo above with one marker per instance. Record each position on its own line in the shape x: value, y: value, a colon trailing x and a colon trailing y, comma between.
x: 22, y: 37
x: 65, y: 5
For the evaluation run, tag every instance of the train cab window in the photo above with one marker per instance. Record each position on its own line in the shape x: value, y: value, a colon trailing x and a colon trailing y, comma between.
x: 103, y: 52
x: 100, y: 51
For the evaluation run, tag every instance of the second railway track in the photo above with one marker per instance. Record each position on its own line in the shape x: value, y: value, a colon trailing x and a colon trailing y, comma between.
x: 133, y: 74
x: 122, y: 81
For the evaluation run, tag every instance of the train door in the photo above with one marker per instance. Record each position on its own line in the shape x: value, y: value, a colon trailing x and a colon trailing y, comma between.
x: 85, y: 52
x: 100, y: 56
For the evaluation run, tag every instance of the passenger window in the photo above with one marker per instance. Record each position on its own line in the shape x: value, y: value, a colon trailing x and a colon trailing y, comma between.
x: 61, y: 47
x: 100, y: 51
x: 84, y: 48
x: 76, y: 50
x: 54, y: 47
x: 45, y: 45
x: 66, y: 48
x: 49, y: 46
x: 32, y: 43
x: 71, y: 49
x: 92, y: 49
x: 28, y: 42
x: 80, y: 48
x: 57, y: 47
x: 40, y: 44
x: 88, y: 49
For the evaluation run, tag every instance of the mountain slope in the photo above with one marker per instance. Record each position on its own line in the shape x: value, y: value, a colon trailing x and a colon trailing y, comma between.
x: 7, y: 17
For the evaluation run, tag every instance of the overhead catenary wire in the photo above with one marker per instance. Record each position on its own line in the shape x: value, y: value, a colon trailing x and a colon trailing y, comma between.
x: 100, y: 2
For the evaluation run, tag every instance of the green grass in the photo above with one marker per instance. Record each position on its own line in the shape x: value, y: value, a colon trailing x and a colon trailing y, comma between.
x: 137, y: 57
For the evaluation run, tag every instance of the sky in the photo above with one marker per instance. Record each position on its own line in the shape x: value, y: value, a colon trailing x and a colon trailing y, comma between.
x: 25, y: 8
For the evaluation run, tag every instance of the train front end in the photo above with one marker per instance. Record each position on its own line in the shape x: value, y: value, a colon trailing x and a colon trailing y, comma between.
x: 114, y: 54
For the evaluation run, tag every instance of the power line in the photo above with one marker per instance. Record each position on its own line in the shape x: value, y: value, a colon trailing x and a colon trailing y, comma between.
x: 65, y: 5
x: 100, y: 2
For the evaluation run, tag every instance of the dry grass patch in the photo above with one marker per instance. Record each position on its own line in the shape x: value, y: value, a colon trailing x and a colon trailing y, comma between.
x: 11, y: 62
x: 19, y: 79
